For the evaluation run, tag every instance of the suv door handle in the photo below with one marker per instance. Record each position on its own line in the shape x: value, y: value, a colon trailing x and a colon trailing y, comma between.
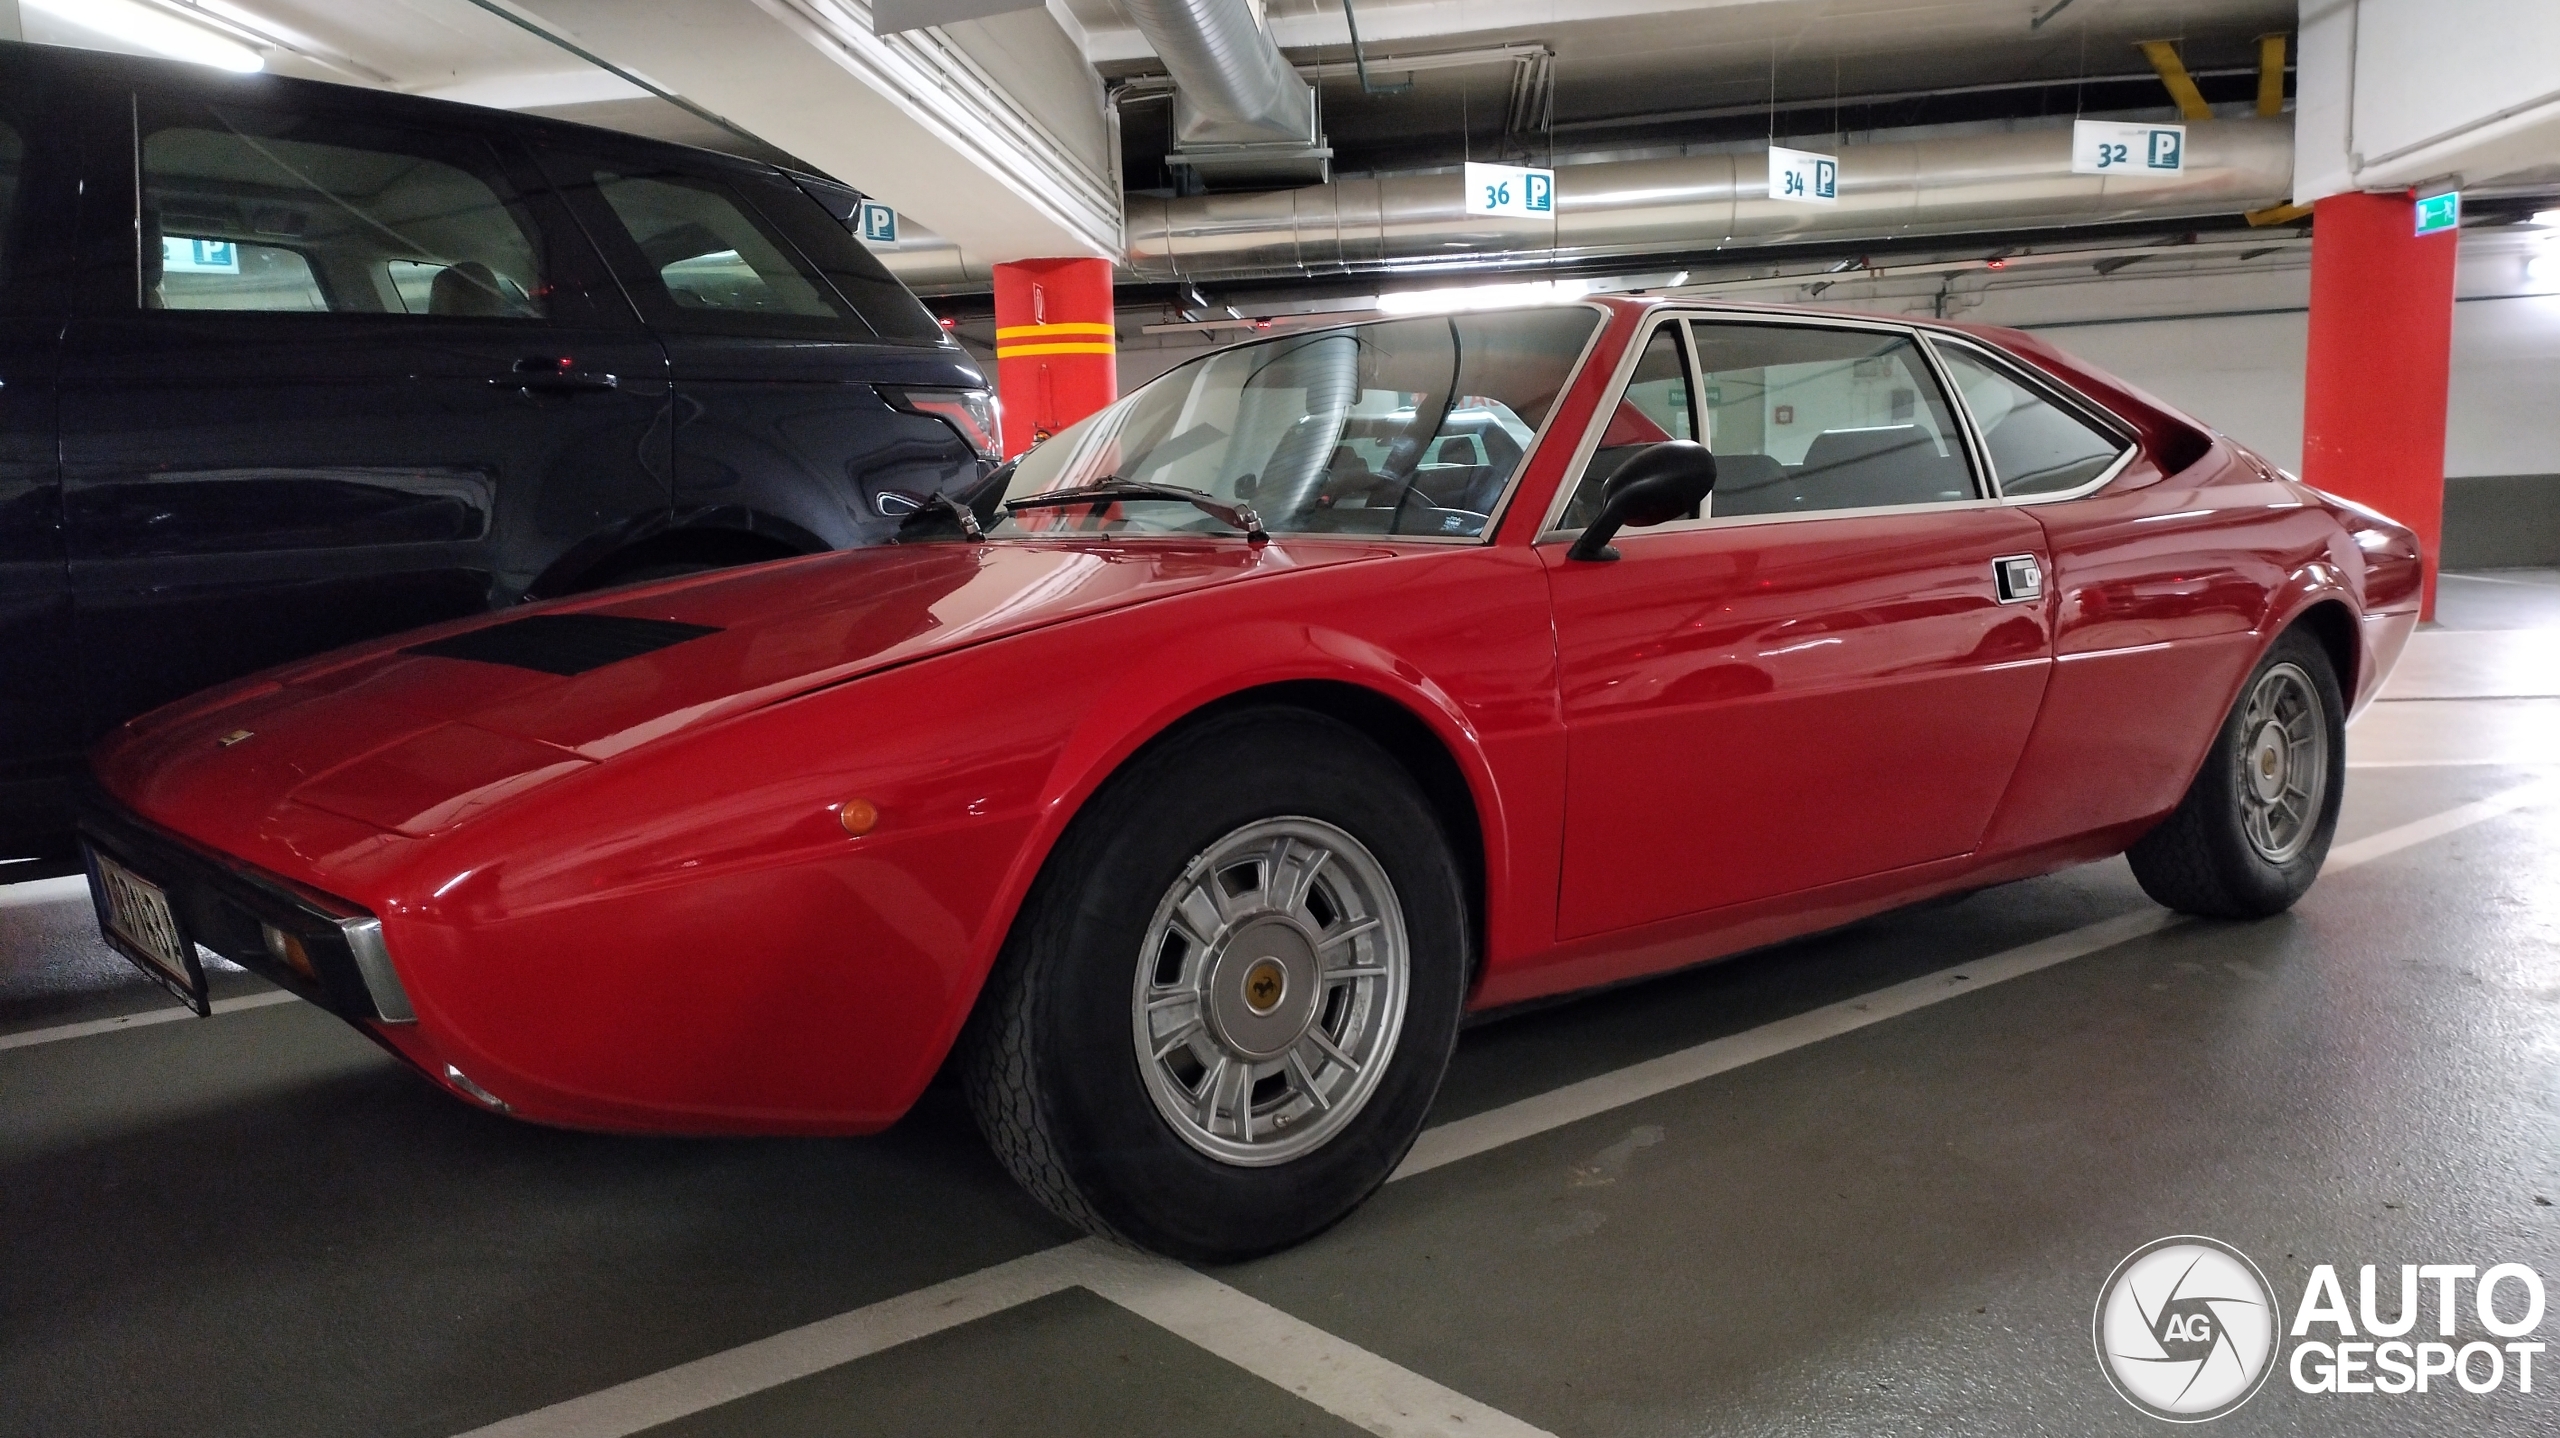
x: 545, y: 375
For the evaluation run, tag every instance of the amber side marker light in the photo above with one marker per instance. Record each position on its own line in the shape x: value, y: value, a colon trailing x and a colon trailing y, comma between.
x: 859, y: 816
x: 286, y: 949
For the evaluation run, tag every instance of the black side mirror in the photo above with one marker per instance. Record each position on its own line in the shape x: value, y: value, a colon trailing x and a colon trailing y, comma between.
x: 1661, y: 483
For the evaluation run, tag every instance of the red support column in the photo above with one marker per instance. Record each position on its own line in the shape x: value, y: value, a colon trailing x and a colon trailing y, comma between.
x: 2381, y: 349
x: 1055, y: 358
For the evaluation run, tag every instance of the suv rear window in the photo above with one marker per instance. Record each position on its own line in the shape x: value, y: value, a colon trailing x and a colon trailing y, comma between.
x: 247, y: 210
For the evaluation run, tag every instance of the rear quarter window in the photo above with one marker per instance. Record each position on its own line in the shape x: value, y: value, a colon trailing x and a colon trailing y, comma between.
x: 744, y: 253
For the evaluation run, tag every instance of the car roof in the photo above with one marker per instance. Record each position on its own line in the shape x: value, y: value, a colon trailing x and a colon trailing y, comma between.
x: 181, y: 77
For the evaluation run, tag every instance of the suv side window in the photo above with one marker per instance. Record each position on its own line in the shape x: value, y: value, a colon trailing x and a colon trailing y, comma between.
x: 1809, y: 420
x: 274, y: 212
x: 2035, y: 445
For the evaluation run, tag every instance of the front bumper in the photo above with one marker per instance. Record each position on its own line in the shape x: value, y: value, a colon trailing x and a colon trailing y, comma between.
x: 228, y: 907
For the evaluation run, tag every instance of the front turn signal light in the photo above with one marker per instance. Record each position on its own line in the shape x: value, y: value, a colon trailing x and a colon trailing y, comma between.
x: 287, y: 949
x: 859, y: 816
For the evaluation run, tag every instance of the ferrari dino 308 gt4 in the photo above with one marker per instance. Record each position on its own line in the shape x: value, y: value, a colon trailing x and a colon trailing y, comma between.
x: 1188, y: 786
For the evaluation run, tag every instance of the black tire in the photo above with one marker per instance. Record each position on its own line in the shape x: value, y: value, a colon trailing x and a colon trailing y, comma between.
x: 2202, y: 859
x: 1048, y: 1061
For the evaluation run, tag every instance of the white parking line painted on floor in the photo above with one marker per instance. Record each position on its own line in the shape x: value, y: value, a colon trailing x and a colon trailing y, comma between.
x: 2498, y: 579
x: 1467, y: 1137
x: 43, y: 891
x: 59, y: 1032
x: 1342, y: 1378
x: 1346, y: 1380
x: 1375, y: 1394
x: 2435, y: 826
x: 1493, y: 1128
x: 2450, y: 763
x: 770, y: 1362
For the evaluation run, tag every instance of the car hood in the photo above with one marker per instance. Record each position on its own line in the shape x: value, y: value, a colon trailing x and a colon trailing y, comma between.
x: 417, y: 742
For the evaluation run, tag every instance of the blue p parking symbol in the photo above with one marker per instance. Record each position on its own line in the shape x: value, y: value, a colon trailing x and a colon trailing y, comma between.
x: 1538, y: 194
x: 879, y: 224
x: 2165, y: 145
x: 1826, y: 180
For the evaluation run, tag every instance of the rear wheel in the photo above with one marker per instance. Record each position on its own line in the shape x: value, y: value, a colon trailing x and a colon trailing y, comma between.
x: 2250, y: 835
x: 1225, y: 1009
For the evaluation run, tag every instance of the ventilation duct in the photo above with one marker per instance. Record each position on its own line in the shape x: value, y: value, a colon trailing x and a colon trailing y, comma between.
x: 1965, y: 185
x: 1240, y: 111
x: 1972, y: 184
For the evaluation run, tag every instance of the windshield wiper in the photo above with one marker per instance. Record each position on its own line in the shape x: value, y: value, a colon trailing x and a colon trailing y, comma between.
x: 933, y: 517
x: 1104, y: 491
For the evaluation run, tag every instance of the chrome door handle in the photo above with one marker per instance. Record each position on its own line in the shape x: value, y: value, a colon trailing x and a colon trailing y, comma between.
x: 2018, y: 578
x: 544, y: 375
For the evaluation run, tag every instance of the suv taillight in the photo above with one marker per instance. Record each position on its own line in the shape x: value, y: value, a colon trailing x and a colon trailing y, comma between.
x: 971, y: 413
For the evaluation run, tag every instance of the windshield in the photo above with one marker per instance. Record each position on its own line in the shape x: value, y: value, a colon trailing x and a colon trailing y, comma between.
x: 1413, y: 426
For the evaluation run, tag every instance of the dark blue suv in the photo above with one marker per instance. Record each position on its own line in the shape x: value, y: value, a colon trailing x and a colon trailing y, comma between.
x: 286, y: 365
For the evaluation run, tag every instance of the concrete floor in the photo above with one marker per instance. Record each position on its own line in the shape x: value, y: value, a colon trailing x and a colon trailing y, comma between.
x: 257, y: 1224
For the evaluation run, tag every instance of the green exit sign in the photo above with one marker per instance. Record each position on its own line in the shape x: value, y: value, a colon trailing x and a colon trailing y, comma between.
x: 2438, y: 213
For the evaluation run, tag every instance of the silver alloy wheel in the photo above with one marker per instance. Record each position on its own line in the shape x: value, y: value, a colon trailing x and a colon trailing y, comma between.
x: 2284, y: 776
x: 1270, y: 991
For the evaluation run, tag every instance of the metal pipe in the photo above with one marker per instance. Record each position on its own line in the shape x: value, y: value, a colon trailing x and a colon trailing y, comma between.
x: 1235, y: 86
x: 1973, y: 184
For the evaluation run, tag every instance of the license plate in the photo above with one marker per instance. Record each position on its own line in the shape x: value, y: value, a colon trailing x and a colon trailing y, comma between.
x: 134, y: 914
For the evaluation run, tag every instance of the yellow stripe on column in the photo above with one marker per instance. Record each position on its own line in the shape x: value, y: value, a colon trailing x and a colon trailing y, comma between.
x: 1018, y: 351
x: 1061, y: 329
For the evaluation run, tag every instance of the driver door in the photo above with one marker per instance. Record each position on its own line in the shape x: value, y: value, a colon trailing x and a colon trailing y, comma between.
x: 1817, y: 679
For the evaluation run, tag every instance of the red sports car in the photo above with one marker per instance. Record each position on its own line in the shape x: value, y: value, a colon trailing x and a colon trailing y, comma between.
x: 1189, y: 786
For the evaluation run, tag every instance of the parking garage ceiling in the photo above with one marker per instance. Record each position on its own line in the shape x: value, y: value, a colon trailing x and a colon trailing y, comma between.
x: 999, y: 138
x: 1643, y: 65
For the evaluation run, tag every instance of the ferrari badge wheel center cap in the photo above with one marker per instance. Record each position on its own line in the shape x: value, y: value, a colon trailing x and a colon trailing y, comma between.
x: 1262, y: 991
x: 1264, y: 984
x: 2267, y: 762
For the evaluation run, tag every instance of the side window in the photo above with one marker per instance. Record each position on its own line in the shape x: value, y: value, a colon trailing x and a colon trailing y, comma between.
x: 1806, y: 420
x: 2037, y: 447
x: 251, y: 210
x: 13, y: 163
x: 709, y: 261
x: 1653, y: 408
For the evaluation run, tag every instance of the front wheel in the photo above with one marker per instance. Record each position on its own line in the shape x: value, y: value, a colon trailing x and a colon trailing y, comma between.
x: 2250, y: 835
x: 1228, y: 1003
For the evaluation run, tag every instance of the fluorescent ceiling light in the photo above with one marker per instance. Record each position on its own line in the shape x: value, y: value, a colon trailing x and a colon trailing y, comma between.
x: 151, y: 28
x: 2549, y: 218
x: 1483, y: 297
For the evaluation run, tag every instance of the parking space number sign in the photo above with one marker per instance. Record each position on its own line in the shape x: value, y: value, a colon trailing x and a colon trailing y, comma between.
x: 2109, y: 147
x: 1513, y: 191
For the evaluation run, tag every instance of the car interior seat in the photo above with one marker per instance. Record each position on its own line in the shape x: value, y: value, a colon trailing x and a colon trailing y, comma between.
x: 1883, y: 464
x: 1753, y: 484
x: 468, y: 289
